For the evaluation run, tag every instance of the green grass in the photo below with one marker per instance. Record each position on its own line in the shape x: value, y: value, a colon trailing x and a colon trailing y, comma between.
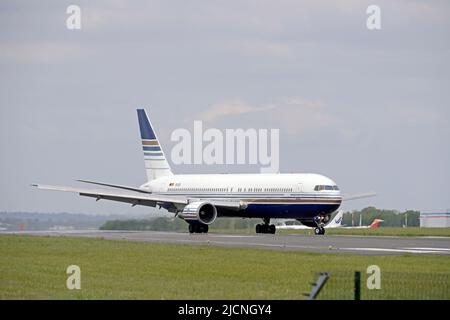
x: 35, y: 268
x: 383, y: 231
x: 386, y: 231
x: 392, y: 231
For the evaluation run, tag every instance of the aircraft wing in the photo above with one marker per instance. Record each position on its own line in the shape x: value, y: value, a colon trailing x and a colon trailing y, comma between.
x: 136, y: 198
x: 359, y: 196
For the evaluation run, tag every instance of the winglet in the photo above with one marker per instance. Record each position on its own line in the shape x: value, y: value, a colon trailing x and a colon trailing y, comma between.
x: 359, y: 196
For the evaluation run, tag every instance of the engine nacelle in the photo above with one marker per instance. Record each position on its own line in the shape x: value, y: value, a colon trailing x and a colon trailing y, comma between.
x: 200, y: 211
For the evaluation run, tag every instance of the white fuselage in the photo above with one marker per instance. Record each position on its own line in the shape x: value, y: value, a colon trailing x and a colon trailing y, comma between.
x: 299, y: 196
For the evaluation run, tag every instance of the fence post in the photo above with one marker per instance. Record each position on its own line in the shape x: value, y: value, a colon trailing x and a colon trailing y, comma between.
x: 317, y: 286
x: 357, y: 285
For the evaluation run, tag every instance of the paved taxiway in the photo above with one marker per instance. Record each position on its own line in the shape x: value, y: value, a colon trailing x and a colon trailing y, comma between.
x: 325, y: 244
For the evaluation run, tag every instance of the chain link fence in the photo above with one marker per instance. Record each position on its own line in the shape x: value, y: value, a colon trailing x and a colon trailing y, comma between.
x: 393, y: 286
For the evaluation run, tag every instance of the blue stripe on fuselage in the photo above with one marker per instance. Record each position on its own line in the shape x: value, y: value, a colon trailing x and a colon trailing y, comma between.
x: 286, y: 210
x: 282, y: 211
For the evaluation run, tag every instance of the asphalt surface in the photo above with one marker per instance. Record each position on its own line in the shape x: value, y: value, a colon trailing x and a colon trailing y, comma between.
x: 363, y: 245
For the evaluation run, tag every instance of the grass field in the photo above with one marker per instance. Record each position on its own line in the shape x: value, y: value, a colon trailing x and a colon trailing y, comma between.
x: 35, y: 268
x: 383, y: 231
x: 387, y: 231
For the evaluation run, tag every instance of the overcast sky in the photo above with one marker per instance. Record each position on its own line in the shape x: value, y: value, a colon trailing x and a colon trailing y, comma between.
x: 370, y: 109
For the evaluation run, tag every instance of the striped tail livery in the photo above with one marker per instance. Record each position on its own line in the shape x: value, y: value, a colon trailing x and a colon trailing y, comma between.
x: 156, y: 164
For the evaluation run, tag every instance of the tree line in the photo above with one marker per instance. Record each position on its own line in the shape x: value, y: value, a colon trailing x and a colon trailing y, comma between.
x: 391, y: 218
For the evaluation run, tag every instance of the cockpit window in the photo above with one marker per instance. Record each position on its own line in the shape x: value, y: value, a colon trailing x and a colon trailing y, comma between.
x: 324, y: 187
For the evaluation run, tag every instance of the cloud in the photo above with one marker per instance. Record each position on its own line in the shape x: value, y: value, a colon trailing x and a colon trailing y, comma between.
x: 297, y: 114
x: 292, y: 114
x: 46, y: 52
x: 258, y: 47
x: 413, y: 115
x: 224, y: 109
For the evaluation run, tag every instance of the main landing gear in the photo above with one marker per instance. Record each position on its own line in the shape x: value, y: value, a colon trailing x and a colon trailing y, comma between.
x: 198, y: 228
x: 266, y: 227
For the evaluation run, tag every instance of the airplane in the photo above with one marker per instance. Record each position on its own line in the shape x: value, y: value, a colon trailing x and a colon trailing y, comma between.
x: 199, y: 199
x: 375, y: 224
x: 336, y: 222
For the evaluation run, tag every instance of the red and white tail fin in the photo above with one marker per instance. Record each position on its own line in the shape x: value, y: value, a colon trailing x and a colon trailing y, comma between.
x: 375, y: 223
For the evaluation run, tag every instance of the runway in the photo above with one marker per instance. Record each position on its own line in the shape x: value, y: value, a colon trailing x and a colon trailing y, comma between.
x: 362, y: 245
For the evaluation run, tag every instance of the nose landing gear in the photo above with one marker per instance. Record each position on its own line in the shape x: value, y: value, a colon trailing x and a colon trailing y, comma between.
x: 319, y: 230
x: 319, y: 221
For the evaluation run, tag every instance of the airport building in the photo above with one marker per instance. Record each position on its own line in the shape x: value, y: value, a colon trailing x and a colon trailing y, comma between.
x: 435, y: 219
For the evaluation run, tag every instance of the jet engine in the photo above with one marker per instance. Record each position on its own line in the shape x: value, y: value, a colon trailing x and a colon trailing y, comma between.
x: 203, y: 212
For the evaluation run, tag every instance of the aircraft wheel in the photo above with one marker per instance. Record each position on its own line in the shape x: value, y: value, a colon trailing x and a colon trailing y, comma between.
x: 319, y: 231
x: 191, y: 228
x: 258, y: 228
x: 272, y: 229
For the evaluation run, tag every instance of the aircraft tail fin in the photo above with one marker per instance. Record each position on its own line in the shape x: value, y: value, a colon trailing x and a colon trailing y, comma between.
x: 156, y: 164
x: 337, y: 220
x: 375, y: 223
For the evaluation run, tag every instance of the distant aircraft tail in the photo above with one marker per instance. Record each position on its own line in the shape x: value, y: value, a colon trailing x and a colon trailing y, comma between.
x: 156, y: 164
x: 375, y: 223
x: 337, y: 220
